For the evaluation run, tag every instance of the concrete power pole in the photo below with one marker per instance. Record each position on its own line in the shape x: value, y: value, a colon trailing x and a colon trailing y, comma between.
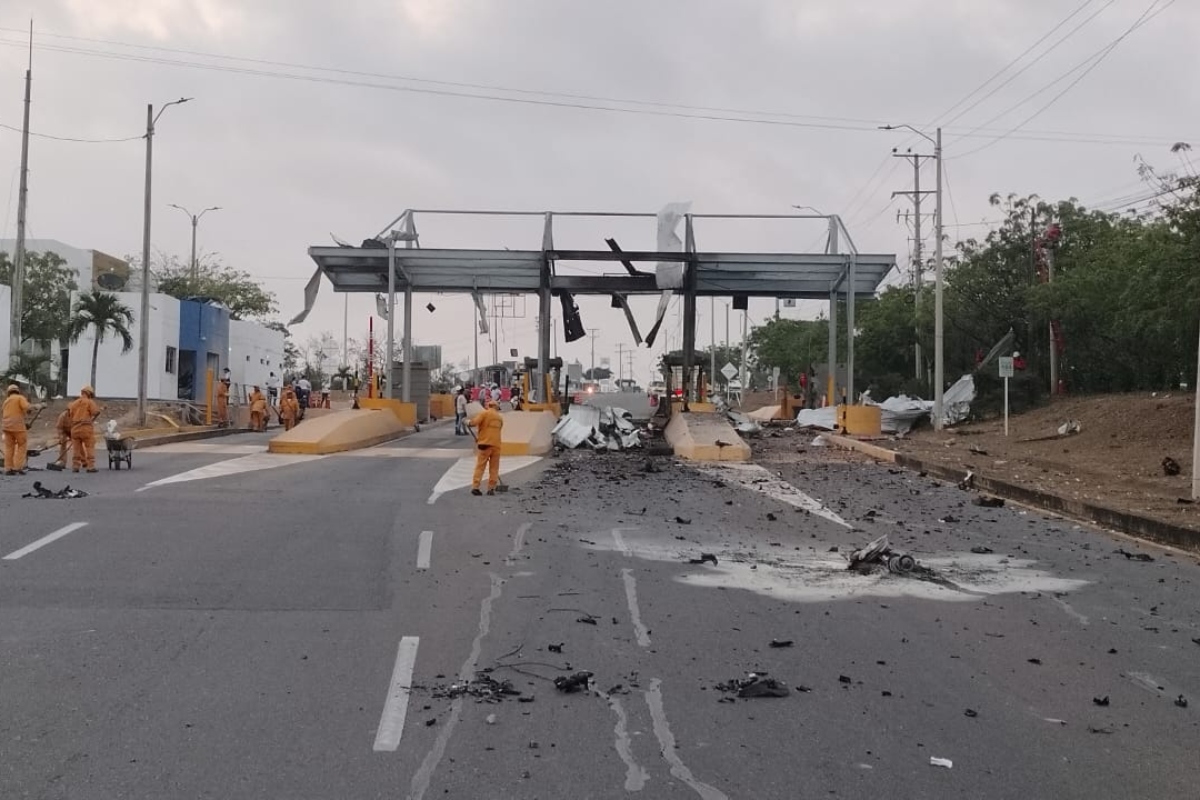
x: 620, y: 361
x: 18, y: 275
x: 918, y: 266
x: 592, y: 334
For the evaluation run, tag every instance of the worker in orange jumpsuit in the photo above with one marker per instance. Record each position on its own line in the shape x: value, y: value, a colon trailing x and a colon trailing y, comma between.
x: 63, y: 428
x: 487, y: 447
x: 289, y: 408
x: 222, y: 403
x: 83, y: 433
x: 16, y: 433
x: 258, y: 410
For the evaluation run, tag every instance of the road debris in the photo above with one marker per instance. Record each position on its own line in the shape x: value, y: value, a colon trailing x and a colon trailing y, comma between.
x: 980, y: 550
x: 1070, y: 427
x: 483, y: 687
x: 683, y: 521
x: 573, y: 683
x: 1170, y: 466
x: 42, y: 493
x: 588, y: 620
x: 934, y: 761
x: 988, y: 501
x: 1134, y: 556
x: 555, y: 648
x: 1101, y: 701
x: 705, y: 558
x: 967, y: 482
x: 879, y: 553
x: 755, y: 684
x: 604, y: 429
x: 778, y: 643
x: 970, y: 712
x: 1181, y: 701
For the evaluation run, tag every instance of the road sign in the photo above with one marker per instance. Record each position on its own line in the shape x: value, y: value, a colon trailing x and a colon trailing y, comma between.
x: 729, y: 371
x: 1006, y: 366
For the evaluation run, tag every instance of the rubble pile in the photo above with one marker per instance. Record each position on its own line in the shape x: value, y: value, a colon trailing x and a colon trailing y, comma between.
x: 483, y: 688
x: 606, y: 428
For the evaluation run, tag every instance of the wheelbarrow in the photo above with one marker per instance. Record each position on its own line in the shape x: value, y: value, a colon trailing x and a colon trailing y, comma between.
x: 120, y: 451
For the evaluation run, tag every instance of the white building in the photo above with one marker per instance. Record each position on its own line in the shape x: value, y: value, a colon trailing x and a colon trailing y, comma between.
x: 255, y: 351
x: 5, y: 324
x: 117, y: 372
x: 93, y: 269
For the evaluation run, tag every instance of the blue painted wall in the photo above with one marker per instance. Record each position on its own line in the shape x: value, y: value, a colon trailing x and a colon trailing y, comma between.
x: 204, y: 343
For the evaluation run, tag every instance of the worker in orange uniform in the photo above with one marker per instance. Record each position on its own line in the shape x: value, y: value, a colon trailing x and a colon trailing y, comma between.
x: 16, y: 433
x: 62, y: 427
x: 289, y: 408
x: 83, y: 434
x: 487, y: 447
x: 258, y: 410
x: 223, y: 403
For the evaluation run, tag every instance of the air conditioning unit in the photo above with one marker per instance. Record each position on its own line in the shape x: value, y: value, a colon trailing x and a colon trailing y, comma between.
x: 109, y: 273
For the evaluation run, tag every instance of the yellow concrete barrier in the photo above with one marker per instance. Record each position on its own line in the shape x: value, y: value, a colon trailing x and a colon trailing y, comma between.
x: 527, y: 433
x: 441, y: 406
x: 860, y: 420
x: 405, y: 412
x: 705, y: 437
x: 338, y: 431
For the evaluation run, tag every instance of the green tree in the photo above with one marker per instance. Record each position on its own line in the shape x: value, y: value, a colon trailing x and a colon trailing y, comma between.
x: 793, y: 345
x: 597, y: 373
x: 30, y: 368
x: 105, y: 314
x: 237, y: 290
x: 48, y: 286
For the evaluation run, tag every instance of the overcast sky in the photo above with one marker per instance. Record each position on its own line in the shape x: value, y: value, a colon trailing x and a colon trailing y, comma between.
x: 351, y: 146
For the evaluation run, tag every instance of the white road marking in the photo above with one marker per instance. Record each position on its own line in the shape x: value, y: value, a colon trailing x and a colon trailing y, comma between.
x: 395, y: 708
x: 518, y: 543
x: 759, y: 479
x: 45, y: 540
x: 424, y: 549
x: 666, y: 743
x: 635, y: 776
x: 462, y: 471
x: 635, y: 613
x: 424, y: 774
x: 206, y: 448
x: 234, y: 466
x: 622, y: 548
x: 403, y: 452
x: 194, y: 448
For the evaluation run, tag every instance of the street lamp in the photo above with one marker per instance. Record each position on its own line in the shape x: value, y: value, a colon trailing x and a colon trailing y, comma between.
x: 144, y: 318
x: 938, y: 330
x: 195, y: 218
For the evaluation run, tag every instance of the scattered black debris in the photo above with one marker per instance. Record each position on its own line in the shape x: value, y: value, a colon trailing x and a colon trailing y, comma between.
x: 1112, y: 651
x: 886, y: 693
x: 1134, y: 556
x: 42, y: 493
x: 833, y: 549
x: 484, y: 687
x: 970, y: 712
x: 771, y: 517
x: 651, y: 467
x: 755, y: 684
x: 681, y: 538
x: 429, y: 723
x: 987, y: 501
x: 781, y: 643
x: 844, y: 679
x: 1037, y: 661
x: 1093, y: 729
x: 879, y: 554
x: 705, y: 558
x: 949, y: 519
x: 1195, y: 641
x: 981, y: 550
x: 967, y: 482
x: 588, y: 620
x: 1181, y: 701
x: 554, y: 648
x: 1185, y: 501
x: 573, y: 683
x: 977, y: 450
x: 1101, y: 701
x: 683, y: 520
x: 1170, y: 466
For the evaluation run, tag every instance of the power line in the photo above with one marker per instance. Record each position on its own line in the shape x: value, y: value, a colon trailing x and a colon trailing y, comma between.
x: 1095, y: 60
x: 71, y: 138
x: 651, y: 108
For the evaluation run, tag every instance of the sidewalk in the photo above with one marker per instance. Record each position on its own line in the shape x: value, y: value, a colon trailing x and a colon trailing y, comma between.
x: 1122, y: 521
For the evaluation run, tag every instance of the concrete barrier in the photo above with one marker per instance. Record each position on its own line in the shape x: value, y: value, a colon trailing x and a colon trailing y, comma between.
x: 339, y: 431
x: 405, y: 412
x: 527, y: 433
x: 705, y: 437
x: 441, y: 406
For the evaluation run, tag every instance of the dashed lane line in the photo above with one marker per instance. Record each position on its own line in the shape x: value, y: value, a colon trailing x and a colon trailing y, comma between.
x: 424, y: 549
x: 45, y: 540
x: 395, y: 708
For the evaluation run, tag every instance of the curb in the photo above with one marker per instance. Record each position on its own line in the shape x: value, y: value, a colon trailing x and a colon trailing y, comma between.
x: 1140, y: 527
x: 186, y: 436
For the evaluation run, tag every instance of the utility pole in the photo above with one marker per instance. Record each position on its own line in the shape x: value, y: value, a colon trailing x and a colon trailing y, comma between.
x: 620, y: 362
x: 195, y: 218
x: 592, y: 334
x: 18, y: 275
x: 918, y: 266
x: 712, y: 338
x: 144, y: 315
x: 745, y: 370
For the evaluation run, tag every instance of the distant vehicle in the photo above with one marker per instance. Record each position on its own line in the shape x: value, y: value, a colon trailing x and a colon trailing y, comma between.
x: 586, y: 390
x: 657, y: 389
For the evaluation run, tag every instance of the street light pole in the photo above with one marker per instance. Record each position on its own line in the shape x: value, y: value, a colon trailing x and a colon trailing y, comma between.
x: 195, y: 218
x: 144, y: 315
x: 938, y: 329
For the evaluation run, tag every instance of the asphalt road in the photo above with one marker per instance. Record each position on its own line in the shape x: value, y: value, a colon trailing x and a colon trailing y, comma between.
x: 227, y: 624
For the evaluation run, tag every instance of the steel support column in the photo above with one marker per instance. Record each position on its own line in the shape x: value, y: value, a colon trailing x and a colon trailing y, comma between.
x: 831, y: 247
x: 410, y: 234
x: 390, y: 349
x: 690, y: 277
x: 544, y: 311
x: 850, y: 332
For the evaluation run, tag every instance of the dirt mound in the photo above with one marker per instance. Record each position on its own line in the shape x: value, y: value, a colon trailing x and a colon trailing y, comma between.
x: 1115, y: 460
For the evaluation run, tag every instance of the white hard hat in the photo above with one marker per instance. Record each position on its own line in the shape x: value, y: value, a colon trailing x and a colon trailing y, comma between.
x: 457, y: 389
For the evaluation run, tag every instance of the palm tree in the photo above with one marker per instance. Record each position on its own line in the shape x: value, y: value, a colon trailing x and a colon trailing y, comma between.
x: 105, y: 313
